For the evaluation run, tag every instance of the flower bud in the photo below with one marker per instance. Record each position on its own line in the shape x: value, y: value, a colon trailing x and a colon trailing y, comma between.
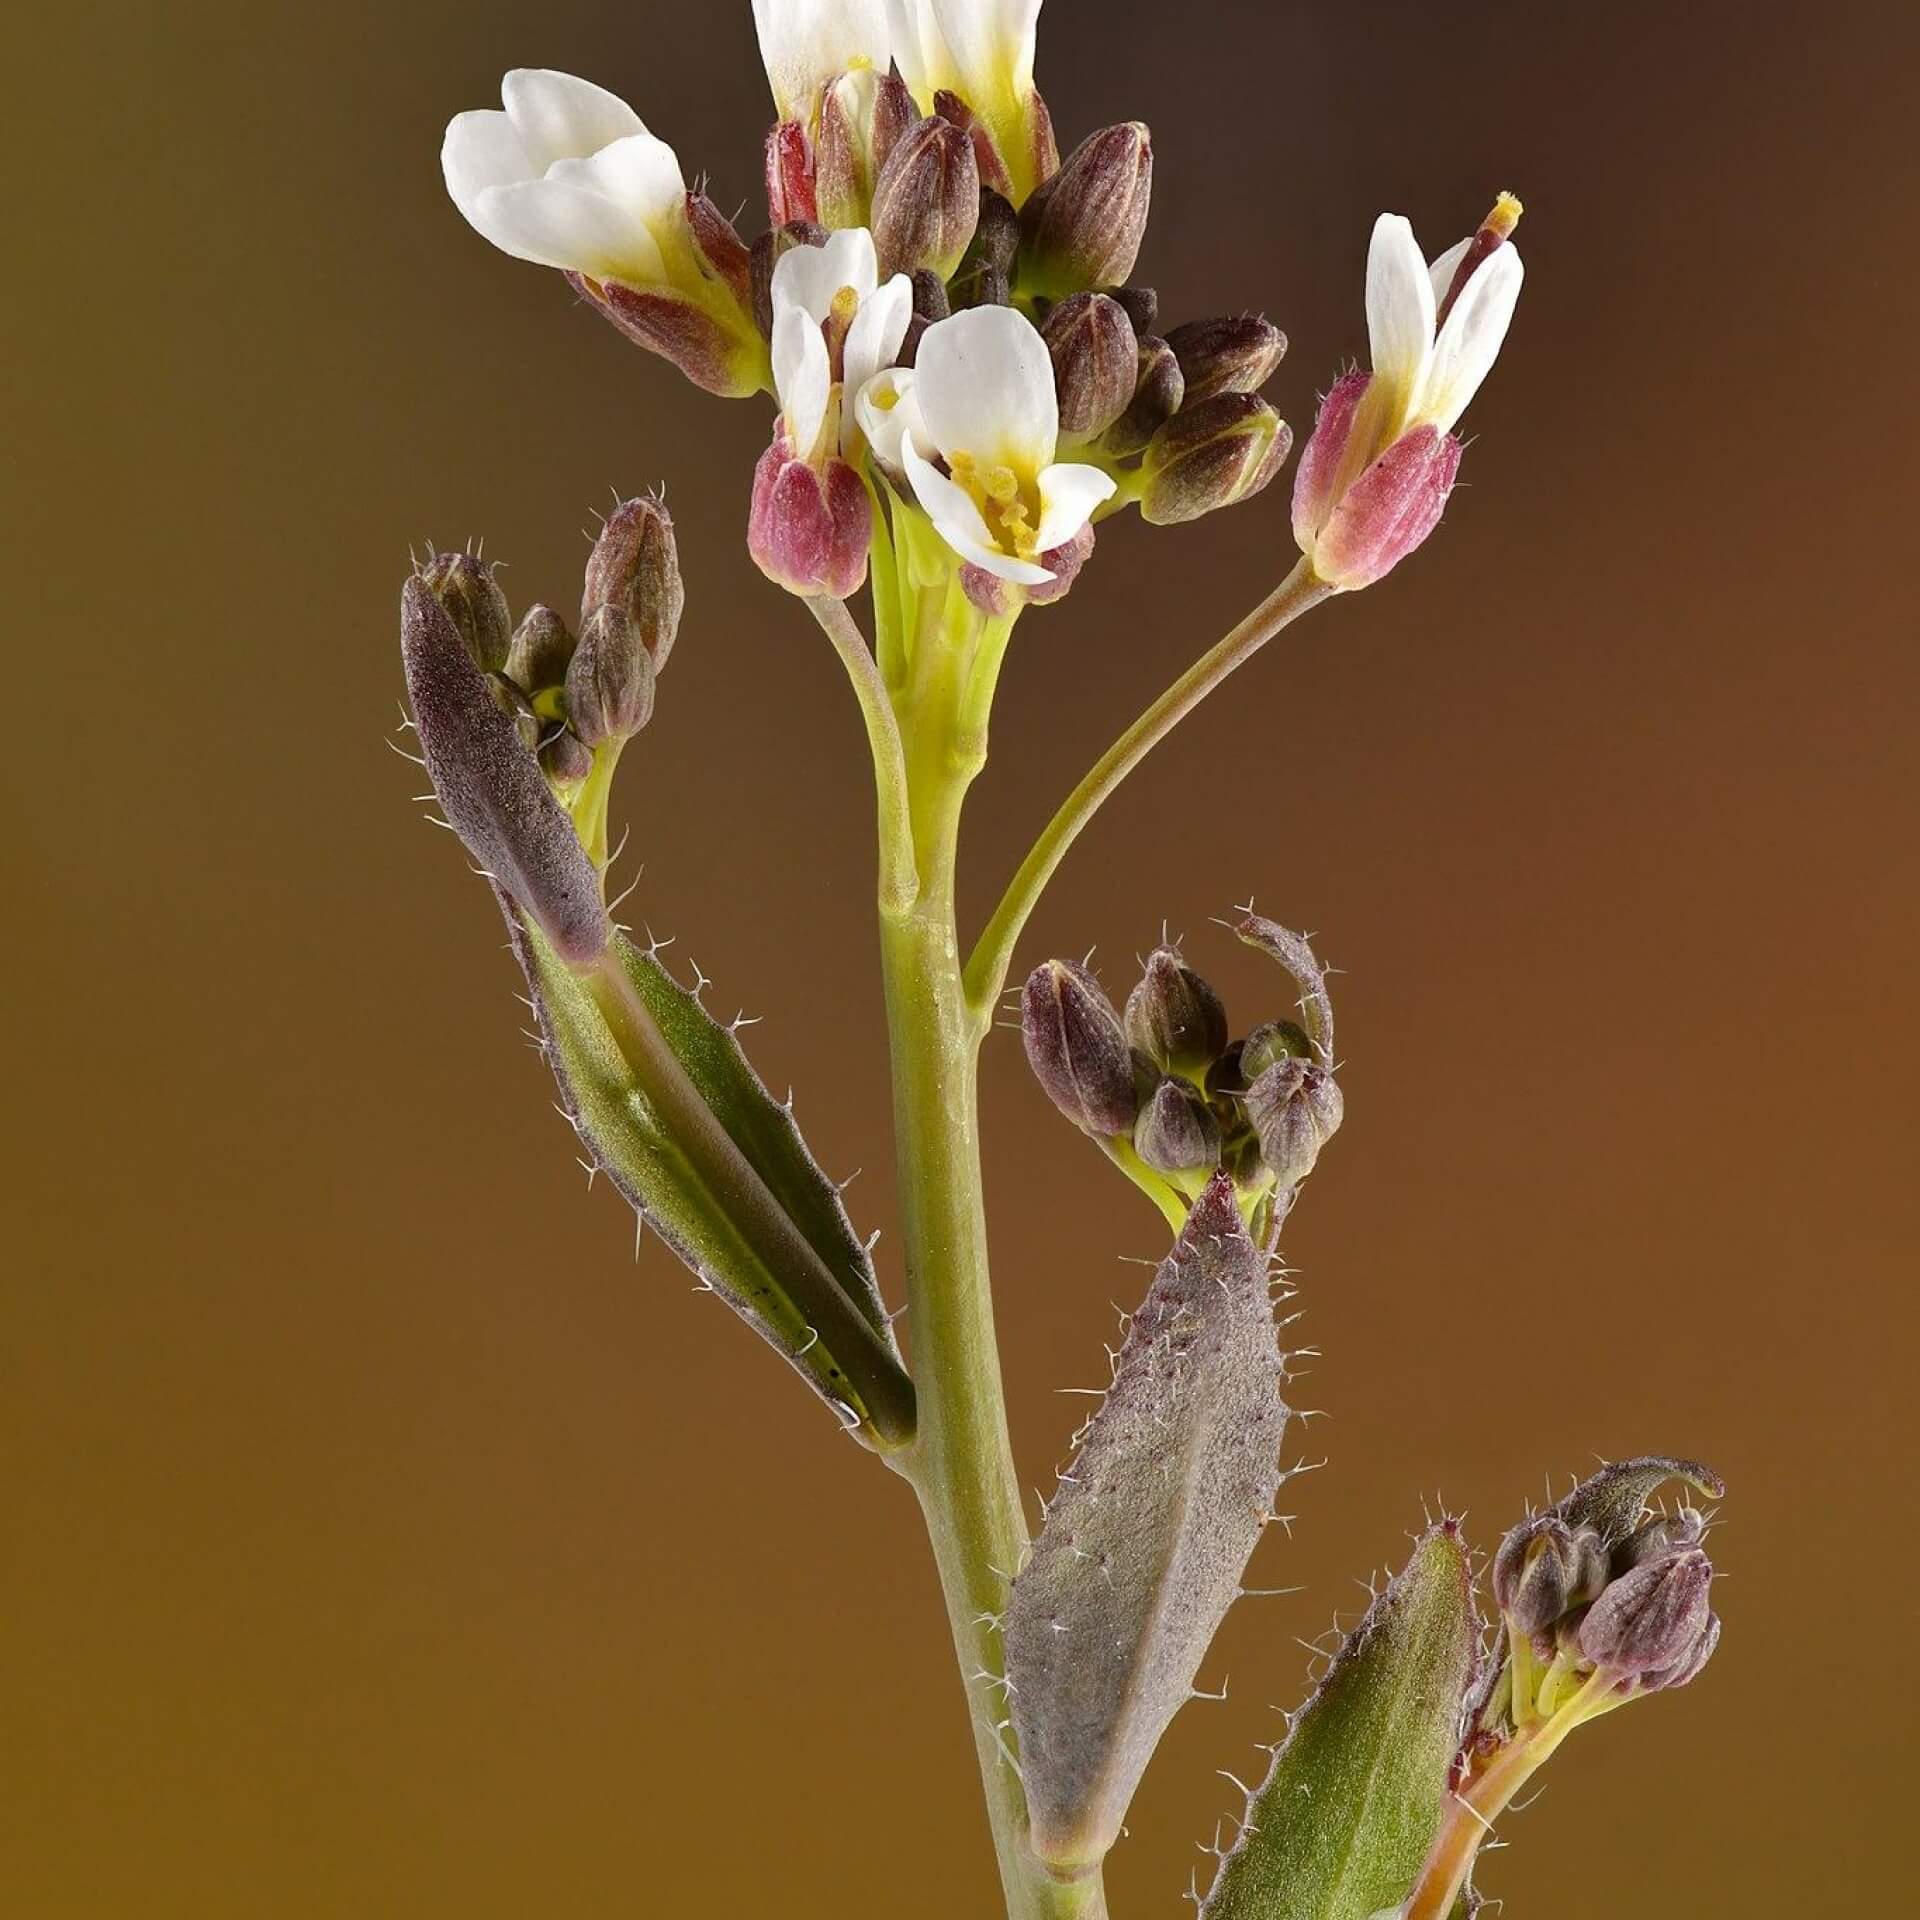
x: 1657, y: 1538
x: 1652, y: 1620
x: 1176, y: 1132
x: 1544, y: 1569
x: 1174, y: 1017
x: 634, y: 566
x: 1096, y: 362
x: 1236, y: 353
x: 1084, y: 227
x: 1141, y: 305
x: 1688, y: 1666
x: 1227, y: 1076
x: 1372, y: 524
x: 1296, y: 1108
x: 926, y: 201
x: 1214, y: 455
x: 542, y: 646
x: 988, y: 159
x: 767, y: 251
x: 609, y: 678
x: 862, y: 115
x: 1158, y: 388
x: 465, y: 586
x: 996, y: 233
x: 790, y: 183
x: 1274, y: 1041
x: 1076, y: 1048
x: 565, y: 758
x: 808, y: 528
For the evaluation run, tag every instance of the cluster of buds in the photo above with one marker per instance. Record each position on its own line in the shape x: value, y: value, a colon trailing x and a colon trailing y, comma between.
x: 573, y: 699
x: 1601, y: 1602
x: 1167, y: 1090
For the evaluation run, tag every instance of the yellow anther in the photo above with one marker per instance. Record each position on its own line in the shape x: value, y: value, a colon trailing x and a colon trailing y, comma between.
x: 1000, y: 484
x: 1504, y: 217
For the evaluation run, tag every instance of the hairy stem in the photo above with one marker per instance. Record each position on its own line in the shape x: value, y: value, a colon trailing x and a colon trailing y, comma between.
x: 986, y: 971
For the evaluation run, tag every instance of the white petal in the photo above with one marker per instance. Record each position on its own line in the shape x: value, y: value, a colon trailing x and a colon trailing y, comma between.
x: 561, y: 118
x: 1399, y: 304
x: 802, y: 377
x: 1441, y: 272
x: 958, y: 521
x: 556, y: 225
x: 482, y: 150
x: 809, y: 277
x: 985, y: 386
x: 879, y: 328
x: 640, y: 174
x: 889, y: 415
x: 991, y: 41
x: 1068, y: 495
x: 805, y: 43
x: 1470, y: 341
x: 919, y: 48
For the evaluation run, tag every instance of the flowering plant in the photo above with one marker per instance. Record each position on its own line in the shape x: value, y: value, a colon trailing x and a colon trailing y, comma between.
x: 968, y: 386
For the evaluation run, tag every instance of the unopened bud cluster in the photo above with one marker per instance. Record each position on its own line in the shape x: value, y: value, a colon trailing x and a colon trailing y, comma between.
x: 1165, y: 1077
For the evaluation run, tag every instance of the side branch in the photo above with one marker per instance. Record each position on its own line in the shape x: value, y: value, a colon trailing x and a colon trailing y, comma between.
x: 986, y: 972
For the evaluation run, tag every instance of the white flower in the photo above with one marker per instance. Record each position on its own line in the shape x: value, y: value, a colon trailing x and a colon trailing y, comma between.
x: 834, y: 289
x: 983, y: 390
x: 979, y: 49
x: 568, y: 177
x: 806, y: 43
x: 887, y: 413
x: 1423, y: 376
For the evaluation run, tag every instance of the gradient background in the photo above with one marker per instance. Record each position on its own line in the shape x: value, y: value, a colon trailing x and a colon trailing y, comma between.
x: 362, y: 1556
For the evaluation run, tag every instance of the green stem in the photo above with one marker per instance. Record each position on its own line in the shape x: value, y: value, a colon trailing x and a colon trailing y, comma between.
x: 961, y: 1461
x: 986, y: 971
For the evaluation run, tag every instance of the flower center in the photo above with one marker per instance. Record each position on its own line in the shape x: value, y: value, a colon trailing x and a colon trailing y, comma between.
x: 997, y: 492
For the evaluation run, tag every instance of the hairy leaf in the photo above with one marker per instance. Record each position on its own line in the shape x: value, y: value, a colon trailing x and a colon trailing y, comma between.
x: 1342, y: 1823
x: 691, y: 1136
x: 1145, y: 1543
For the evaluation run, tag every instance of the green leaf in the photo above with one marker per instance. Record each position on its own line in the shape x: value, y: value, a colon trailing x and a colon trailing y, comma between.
x: 1342, y: 1823
x: 669, y: 1105
x: 1146, y: 1540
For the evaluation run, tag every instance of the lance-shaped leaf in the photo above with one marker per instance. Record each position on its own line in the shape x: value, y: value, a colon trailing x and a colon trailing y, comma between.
x: 668, y: 1104
x: 1340, y: 1827
x: 1293, y: 952
x: 1145, y: 1543
x: 1614, y: 1501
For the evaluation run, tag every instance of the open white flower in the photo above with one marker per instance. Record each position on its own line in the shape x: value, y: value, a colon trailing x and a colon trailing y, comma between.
x: 979, y: 49
x: 568, y: 176
x: 806, y: 43
x: 1424, y: 373
x: 983, y: 394
x: 832, y: 293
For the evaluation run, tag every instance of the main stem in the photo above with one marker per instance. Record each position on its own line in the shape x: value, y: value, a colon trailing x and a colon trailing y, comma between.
x: 960, y: 1463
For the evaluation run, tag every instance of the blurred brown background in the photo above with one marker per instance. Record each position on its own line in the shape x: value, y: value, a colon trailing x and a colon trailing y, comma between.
x: 378, y: 1538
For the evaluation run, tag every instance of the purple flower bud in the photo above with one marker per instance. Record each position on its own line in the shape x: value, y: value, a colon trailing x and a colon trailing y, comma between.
x: 635, y: 566
x: 1174, y: 1017
x: 1545, y: 1569
x: 1274, y: 1041
x: 987, y: 157
x: 1096, y: 363
x: 862, y: 117
x: 1236, y: 353
x: 926, y: 201
x: 790, y: 185
x: 1158, y: 388
x: 490, y: 786
x: 1214, y: 455
x: 1296, y: 1108
x: 542, y: 646
x: 809, y: 528
x: 1176, y: 1132
x: 1141, y: 306
x: 465, y: 586
x: 610, y: 678
x: 1076, y: 1048
x: 1652, y: 1620
x: 565, y: 758
x: 1084, y: 227
x: 1688, y: 1666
